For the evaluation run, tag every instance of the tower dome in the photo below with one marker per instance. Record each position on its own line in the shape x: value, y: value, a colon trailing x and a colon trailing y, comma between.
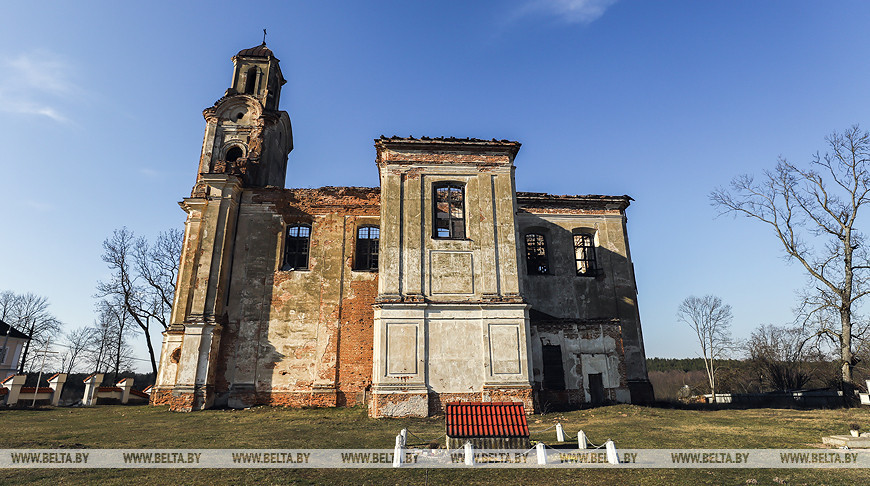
x: 256, y: 51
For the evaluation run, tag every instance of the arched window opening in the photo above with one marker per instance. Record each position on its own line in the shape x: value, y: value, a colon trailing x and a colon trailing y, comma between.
x: 296, y: 247
x: 537, y: 262
x: 449, y: 208
x: 251, y: 81
x: 234, y: 153
x: 367, y: 240
x: 584, y: 254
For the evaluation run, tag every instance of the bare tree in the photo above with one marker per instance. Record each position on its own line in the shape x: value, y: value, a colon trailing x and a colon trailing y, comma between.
x: 814, y: 213
x: 8, y: 304
x: 143, y: 278
x: 108, y: 349
x: 75, y: 344
x: 157, y: 266
x: 783, y: 355
x: 100, y: 341
x: 711, y: 321
x: 115, y: 314
x: 29, y: 314
x: 128, y: 297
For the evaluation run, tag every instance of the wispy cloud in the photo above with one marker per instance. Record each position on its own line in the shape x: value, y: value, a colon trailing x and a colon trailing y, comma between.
x: 571, y: 11
x: 40, y: 206
x: 35, y: 83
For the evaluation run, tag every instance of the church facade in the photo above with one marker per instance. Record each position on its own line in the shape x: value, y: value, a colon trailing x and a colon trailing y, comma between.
x: 443, y: 284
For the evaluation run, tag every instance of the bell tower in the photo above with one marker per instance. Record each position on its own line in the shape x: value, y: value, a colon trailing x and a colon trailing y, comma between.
x: 246, y: 135
x: 256, y: 73
x: 245, y: 147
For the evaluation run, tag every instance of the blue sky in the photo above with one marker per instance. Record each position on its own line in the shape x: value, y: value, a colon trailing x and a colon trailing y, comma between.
x: 101, y: 126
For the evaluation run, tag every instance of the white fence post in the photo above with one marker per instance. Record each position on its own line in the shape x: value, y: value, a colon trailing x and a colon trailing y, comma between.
x: 581, y: 440
x: 14, y: 384
x: 91, y: 384
x: 404, y: 434
x: 560, y: 433
x: 542, y: 453
x: 469, y: 454
x: 612, y: 457
x: 56, y: 383
x: 398, y: 451
x: 126, y: 385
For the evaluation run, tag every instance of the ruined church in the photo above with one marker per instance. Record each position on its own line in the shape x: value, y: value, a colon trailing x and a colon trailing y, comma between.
x: 444, y: 284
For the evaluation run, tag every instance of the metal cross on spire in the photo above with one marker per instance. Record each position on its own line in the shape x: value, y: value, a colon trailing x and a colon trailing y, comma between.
x: 264, y: 37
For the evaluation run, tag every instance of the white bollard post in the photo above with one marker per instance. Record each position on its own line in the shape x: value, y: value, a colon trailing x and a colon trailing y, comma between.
x: 469, y: 454
x: 404, y: 434
x: 398, y: 451
x: 560, y: 433
x: 581, y: 440
x: 542, y: 453
x: 612, y: 456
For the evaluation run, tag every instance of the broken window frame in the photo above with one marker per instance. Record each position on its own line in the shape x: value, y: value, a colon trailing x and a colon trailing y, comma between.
x: 296, y: 247
x: 537, y: 260
x: 367, y: 245
x: 584, y: 254
x: 451, y: 226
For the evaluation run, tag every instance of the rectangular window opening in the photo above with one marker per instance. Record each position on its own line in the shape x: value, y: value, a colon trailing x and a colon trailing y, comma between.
x: 449, y: 209
x: 537, y: 262
x: 367, y: 242
x: 554, y: 374
x: 296, y: 247
x: 584, y: 255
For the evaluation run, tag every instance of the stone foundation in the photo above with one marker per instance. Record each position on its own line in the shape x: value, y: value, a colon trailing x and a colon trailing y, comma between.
x: 316, y: 399
x: 161, y: 397
x: 412, y: 404
x: 524, y: 394
x: 182, y: 402
x: 184, y: 399
x: 246, y: 396
x: 559, y: 400
x: 399, y: 404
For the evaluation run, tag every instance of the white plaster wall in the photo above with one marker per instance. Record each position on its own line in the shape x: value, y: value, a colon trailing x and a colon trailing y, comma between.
x: 455, y: 356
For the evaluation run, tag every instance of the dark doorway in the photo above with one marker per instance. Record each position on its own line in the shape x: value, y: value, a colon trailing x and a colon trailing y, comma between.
x: 596, y: 388
x: 554, y: 374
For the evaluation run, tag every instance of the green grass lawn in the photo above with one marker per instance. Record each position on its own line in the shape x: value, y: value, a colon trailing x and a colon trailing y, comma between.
x: 631, y: 427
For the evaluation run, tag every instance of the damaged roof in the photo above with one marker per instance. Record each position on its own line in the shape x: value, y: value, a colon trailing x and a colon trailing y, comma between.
x: 257, y: 51
x: 446, y: 143
x: 411, y: 138
x: 542, y: 200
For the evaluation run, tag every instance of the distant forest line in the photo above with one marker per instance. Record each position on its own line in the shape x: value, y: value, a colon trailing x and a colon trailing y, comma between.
x: 687, y: 364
